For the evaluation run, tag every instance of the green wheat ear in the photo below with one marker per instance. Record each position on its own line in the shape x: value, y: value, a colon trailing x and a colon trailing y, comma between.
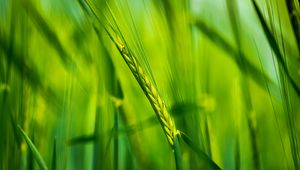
x: 149, y: 89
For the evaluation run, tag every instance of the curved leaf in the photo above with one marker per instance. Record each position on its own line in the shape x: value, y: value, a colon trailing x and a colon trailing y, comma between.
x: 37, y: 156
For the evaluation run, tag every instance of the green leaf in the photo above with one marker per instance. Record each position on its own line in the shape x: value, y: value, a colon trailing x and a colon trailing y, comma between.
x: 37, y: 156
x: 177, y: 153
x: 49, y: 33
x: 208, y: 162
x: 242, y: 62
x: 54, y: 166
x: 294, y: 12
x: 275, y: 47
x: 81, y: 139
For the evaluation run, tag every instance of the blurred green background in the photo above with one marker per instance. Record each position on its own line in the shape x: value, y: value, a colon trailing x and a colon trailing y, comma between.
x: 228, y: 70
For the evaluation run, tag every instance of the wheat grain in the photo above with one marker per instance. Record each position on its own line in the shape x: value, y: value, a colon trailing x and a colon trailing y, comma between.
x: 150, y: 91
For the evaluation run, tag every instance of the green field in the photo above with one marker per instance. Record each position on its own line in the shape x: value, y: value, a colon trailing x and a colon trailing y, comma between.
x: 149, y: 84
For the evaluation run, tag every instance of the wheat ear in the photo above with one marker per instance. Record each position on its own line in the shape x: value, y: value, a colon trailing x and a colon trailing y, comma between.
x: 150, y: 91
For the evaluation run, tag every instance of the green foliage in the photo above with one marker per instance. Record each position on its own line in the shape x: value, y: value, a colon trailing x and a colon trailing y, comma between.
x: 169, y: 84
x: 35, y: 152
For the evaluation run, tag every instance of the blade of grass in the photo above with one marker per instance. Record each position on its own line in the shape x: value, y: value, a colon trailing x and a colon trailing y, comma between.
x: 284, y: 73
x: 134, y: 140
x: 275, y: 112
x: 237, y: 153
x: 39, y: 159
x: 17, y: 142
x: 177, y: 153
x: 82, y: 140
x: 19, y: 62
x: 50, y: 34
x: 30, y: 159
x: 275, y: 47
x: 207, y: 136
x: 28, y: 71
x: 116, y: 140
x: 53, y: 164
x: 294, y: 13
x: 254, y: 73
x: 113, y: 87
x: 97, y: 142
x: 209, y: 163
x: 234, y: 18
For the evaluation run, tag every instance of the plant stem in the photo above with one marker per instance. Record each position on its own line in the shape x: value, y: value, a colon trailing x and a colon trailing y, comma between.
x: 177, y: 153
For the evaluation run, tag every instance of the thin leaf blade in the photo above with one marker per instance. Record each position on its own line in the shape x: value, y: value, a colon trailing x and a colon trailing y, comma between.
x: 37, y: 156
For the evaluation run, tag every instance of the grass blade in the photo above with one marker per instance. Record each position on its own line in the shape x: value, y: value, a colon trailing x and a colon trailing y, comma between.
x: 81, y: 140
x: 237, y: 155
x: 34, y: 150
x: 283, y: 66
x: 50, y: 34
x: 177, y: 153
x: 53, y: 165
x: 275, y: 47
x: 294, y: 12
x: 209, y: 163
x: 242, y: 62
x: 23, y: 67
x: 234, y: 18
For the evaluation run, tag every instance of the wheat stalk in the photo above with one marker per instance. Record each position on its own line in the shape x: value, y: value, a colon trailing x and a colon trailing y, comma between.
x: 149, y: 89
